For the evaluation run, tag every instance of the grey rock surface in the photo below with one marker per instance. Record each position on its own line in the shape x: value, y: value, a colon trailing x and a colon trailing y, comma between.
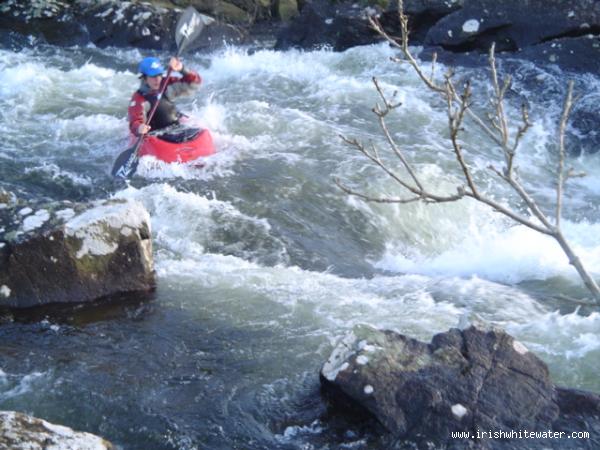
x: 22, y: 432
x: 67, y: 252
x: 463, y: 381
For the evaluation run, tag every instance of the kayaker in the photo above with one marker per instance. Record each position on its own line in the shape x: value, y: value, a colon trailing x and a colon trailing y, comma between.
x: 143, y: 99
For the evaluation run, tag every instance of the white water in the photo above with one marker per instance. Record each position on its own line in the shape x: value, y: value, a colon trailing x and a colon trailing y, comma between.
x: 262, y: 239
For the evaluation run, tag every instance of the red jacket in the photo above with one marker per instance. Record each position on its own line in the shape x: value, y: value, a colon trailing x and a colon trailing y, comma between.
x: 143, y: 99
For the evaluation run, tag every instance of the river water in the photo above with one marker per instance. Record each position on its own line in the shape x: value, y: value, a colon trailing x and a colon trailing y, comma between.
x: 262, y: 262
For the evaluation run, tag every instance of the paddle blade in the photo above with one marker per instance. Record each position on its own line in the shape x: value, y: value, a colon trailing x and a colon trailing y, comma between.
x: 189, y: 26
x: 126, y: 163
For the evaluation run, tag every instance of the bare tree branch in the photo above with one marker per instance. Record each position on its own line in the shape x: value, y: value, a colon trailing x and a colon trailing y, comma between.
x: 381, y: 115
x: 561, y: 153
x: 417, y: 191
x: 522, y: 129
x: 458, y: 108
x: 369, y: 198
x: 429, y: 82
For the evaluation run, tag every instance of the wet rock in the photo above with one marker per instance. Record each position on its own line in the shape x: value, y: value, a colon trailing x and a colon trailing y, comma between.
x: 341, y: 25
x: 232, y: 11
x: 463, y: 381
x: 81, y: 22
x: 540, y: 29
x: 558, y: 32
x: 326, y: 24
x: 110, y: 23
x: 513, y: 24
x: 128, y: 24
x: 7, y: 199
x: 65, y: 252
x: 581, y: 54
x: 22, y: 432
x: 286, y: 9
x: 422, y: 15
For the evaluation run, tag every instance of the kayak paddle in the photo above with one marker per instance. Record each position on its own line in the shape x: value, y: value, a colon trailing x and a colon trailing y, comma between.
x: 189, y: 26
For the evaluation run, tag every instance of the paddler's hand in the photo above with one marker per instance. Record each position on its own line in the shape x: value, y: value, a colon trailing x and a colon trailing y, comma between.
x: 143, y: 129
x: 176, y: 64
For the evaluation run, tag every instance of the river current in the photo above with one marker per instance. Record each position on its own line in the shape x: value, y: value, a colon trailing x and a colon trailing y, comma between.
x: 262, y: 262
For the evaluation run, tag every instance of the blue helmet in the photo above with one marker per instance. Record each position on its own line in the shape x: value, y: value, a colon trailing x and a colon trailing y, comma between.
x: 151, y: 67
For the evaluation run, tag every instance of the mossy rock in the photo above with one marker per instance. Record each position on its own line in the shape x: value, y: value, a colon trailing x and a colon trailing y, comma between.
x: 95, y: 251
x: 287, y: 9
x: 231, y: 13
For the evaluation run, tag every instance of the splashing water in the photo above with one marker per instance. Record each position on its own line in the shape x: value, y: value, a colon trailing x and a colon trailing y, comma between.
x: 262, y: 263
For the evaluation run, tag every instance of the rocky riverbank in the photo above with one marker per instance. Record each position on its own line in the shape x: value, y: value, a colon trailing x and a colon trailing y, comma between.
x: 556, y: 32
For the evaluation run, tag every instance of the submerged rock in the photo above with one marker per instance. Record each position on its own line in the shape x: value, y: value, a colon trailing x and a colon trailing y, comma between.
x: 22, y: 432
x: 463, y: 381
x: 66, y: 252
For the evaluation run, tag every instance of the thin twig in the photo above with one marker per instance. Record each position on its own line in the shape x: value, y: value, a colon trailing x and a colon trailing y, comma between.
x: 522, y: 129
x: 369, y: 198
x: 455, y: 126
x: 561, y: 152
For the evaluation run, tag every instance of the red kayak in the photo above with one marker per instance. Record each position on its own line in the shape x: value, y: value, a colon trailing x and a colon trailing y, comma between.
x: 180, y: 146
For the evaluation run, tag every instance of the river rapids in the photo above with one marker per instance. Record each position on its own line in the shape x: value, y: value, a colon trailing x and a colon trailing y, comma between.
x: 263, y: 263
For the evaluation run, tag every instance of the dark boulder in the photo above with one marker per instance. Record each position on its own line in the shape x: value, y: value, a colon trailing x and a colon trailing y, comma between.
x: 513, y: 24
x: 22, y: 432
x: 53, y: 22
x: 463, y: 381
x: 65, y: 252
x: 128, y: 24
x: 555, y: 32
x: 232, y: 11
x: 422, y: 15
x: 108, y: 23
x: 327, y: 24
x: 79, y: 23
x: 341, y: 25
x: 580, y: 54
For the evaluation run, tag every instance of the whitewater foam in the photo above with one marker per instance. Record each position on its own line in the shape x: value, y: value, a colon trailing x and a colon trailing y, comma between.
x: 512, y: 255
x: 18, y: 385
